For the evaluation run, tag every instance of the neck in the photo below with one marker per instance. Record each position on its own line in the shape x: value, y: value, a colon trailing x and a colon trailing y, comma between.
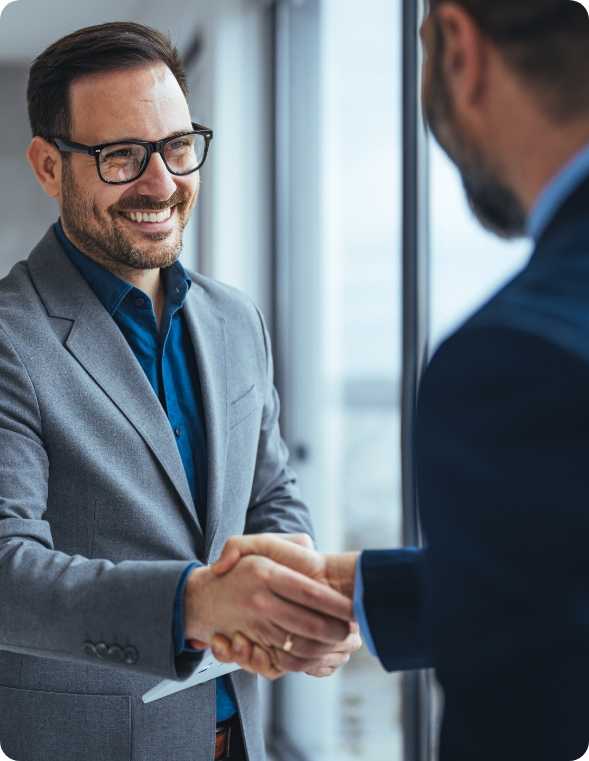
x: 538, y: 156
x: 148, y: 281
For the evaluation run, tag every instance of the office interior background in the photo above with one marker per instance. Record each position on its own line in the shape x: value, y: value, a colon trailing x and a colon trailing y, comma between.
x: 301, y: 207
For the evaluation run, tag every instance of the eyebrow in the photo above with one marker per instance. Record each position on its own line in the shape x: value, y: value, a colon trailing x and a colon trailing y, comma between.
x: 177, y: 133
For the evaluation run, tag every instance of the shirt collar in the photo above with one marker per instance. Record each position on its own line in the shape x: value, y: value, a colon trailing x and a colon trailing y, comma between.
x: 109, y: 288
x: 556, y: 192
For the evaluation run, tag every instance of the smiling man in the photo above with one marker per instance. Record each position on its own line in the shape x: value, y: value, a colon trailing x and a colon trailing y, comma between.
x: 138, y: 430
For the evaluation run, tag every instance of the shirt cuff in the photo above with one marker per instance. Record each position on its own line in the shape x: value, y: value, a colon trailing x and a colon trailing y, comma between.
x: 178, y: 624
x: 359, y: 612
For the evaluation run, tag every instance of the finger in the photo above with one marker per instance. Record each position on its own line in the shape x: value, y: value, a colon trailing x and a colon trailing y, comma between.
x: 298, y: 588
x: 305, y: 649
x: 222, y: 649
x: 228, y: 559
x: 290, y: 550
x: 242, y: 646
x: 288, y: 662
x: 197, y: 644
x: 305, y: 623
x: 351, y: 644
x: 320, y: 672
x: 263, y: 664
x: 303, y: 540
x: 252, y: 658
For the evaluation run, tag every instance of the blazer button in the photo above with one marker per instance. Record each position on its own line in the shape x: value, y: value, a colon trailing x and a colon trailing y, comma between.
x: 131, y: 656
x: 89, y: 648
x: 115, y: 653
x: 101, y: 649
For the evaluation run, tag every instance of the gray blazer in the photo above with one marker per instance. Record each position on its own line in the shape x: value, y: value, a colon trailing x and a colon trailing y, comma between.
x: 97, y: 520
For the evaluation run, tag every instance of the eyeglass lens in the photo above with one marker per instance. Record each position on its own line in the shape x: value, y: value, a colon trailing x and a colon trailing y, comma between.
x: 125, y: 161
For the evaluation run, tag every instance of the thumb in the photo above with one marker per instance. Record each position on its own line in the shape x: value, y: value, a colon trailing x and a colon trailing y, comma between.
x: 303, y: 540
x: 228, y: 559
x: 291, y: 550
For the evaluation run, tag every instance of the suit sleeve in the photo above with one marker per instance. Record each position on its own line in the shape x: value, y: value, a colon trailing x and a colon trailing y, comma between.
x: 275, y: 504
x: 62, y: 606
x: 502, y: 441
x: 394, y: 607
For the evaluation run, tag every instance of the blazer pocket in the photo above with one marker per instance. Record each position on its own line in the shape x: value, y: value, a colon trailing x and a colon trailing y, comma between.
x: 243, y: 406
x: 36, y: 725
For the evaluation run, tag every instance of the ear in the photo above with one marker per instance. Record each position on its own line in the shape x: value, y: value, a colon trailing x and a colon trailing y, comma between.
x: 46, y: 163
x: 465, y: 55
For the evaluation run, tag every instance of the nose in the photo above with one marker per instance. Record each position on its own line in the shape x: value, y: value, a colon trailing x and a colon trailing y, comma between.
x: 156, y: 181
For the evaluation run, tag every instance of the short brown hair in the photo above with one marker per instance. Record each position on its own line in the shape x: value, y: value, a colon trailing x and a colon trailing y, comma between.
x: 546, y: 42
x: 95, y: 49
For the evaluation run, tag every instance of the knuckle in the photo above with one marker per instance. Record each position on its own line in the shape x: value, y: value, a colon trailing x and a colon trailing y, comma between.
x: 260, y: 601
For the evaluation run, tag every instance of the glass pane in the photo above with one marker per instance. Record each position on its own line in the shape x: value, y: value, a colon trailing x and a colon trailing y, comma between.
x: 362, y: 146
x: 468, y: 263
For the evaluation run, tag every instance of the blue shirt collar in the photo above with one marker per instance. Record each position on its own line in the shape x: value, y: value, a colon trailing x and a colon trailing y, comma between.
x: 556, y: 193
x: 110, y: 289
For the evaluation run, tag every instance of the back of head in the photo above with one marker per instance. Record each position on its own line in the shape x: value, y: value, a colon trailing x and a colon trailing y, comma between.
x: 545, y: 43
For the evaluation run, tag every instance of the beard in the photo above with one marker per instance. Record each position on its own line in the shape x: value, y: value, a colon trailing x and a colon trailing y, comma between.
x: 104, y: 236
x: 492, y: 202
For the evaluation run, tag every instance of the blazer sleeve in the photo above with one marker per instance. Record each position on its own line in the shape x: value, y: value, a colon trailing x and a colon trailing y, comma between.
x: 275, y: 504
x: 502, y: 441
x: 63, y: 606
x: 394, y: 605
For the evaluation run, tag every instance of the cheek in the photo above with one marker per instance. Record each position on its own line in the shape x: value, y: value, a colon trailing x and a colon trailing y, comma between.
x: 190, y: 188
x: 426, y: 80
x: 106, y: 199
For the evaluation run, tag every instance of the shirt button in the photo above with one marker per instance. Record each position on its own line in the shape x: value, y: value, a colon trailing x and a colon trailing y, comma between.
x: 178, y: 432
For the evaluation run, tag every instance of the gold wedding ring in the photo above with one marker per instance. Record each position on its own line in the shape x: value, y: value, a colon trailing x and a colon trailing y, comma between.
x: 287, y: 647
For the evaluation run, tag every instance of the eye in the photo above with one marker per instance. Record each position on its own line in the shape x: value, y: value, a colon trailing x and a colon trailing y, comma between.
x: 117, y: 153
x: 180, y: 144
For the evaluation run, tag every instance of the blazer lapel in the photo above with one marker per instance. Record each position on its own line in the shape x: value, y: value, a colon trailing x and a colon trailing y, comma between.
x: 207, y: 331
x: 99, y: 346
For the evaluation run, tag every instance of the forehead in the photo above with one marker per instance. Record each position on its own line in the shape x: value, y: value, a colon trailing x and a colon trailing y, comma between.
x: 145, y: 102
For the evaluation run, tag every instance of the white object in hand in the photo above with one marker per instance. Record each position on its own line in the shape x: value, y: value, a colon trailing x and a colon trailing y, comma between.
x: 209, y: 668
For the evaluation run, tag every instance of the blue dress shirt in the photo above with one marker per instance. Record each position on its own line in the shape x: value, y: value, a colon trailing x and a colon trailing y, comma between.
x: 168, y: 360
x: 548, y: 203
x: 556, y: 192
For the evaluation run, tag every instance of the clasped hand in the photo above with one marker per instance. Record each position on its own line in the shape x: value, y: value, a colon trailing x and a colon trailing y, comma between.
x: 273, y: 604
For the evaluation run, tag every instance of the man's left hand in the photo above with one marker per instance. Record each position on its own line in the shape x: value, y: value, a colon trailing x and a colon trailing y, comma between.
x: 275, y: 662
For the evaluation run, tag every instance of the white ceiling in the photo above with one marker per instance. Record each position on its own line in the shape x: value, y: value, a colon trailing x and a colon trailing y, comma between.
x: 27, y: 27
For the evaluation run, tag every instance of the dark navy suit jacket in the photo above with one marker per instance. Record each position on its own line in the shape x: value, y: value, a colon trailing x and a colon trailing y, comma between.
x: 498, y: 602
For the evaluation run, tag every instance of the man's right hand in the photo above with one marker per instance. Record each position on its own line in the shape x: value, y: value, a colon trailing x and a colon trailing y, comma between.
x: 266, y: 601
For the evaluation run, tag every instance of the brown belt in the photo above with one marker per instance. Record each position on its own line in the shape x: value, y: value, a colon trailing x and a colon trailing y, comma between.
x: 224, y: 737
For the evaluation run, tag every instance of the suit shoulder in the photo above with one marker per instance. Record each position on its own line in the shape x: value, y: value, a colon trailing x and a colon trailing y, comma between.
x: 230, y: 301
x: 19, y: 301
x: 546, y: 301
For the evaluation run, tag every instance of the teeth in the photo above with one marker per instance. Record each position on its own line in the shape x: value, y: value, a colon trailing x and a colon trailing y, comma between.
x: 140, y: 216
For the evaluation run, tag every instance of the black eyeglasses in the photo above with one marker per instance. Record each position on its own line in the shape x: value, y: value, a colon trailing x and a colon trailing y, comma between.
x: 118, y: 163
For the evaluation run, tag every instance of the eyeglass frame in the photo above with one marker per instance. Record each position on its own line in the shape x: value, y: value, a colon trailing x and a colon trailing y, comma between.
x: 156, y: 146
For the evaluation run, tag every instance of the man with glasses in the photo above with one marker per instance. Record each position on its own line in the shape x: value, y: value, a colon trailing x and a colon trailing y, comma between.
x: 138, y: 430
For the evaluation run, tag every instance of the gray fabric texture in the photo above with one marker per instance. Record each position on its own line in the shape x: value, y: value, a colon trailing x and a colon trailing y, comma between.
x: 97, y: 521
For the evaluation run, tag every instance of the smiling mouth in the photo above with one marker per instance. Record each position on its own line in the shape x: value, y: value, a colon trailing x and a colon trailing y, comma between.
x: 149, y: 217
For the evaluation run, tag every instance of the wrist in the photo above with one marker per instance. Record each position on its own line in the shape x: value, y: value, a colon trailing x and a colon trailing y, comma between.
x: 197, y: 613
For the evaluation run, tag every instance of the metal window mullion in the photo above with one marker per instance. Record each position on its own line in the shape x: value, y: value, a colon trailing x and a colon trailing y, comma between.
x: 415, y: 257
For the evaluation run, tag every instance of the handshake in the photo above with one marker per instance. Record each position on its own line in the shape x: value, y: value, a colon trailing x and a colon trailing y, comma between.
x: 272, y: 604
